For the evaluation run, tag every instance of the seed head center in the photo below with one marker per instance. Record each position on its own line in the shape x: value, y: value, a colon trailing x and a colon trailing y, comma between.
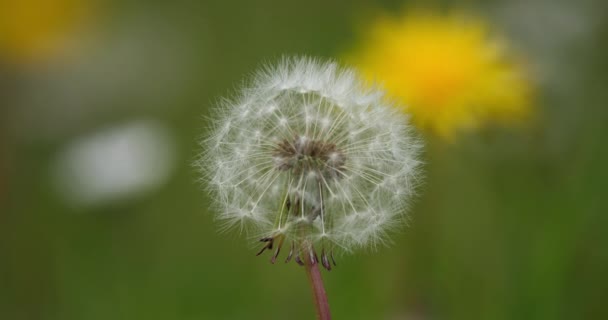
x: 302, y: 155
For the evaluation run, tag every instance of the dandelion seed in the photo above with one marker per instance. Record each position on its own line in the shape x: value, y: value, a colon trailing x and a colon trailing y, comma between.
x: 309, y: 158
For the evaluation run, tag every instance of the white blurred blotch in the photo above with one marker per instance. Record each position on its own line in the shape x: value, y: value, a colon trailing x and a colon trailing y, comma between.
x: 115, y: 163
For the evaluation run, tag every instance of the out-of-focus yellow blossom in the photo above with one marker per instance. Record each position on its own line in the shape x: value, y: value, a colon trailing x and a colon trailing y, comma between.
x: 34, y: 30
x: 447, y: 69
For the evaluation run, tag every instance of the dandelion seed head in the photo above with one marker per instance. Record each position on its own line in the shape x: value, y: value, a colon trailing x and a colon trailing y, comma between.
x: 307, y: 154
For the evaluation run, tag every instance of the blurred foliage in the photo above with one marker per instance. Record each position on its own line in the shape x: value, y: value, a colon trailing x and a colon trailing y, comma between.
x: 32, y: 30
x: 510, y: 224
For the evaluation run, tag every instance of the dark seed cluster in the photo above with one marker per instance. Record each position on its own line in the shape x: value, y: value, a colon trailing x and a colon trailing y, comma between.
x: 302, y: 154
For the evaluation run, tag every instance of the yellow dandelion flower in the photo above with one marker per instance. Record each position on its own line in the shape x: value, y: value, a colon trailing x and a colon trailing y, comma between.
x: 447, y: 69
x: 34, y: 30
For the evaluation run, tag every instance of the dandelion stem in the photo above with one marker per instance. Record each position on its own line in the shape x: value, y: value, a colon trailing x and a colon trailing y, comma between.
x: 316, y: 284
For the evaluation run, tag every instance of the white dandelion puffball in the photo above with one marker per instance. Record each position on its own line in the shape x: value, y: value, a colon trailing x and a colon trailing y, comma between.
x: 309, y: 157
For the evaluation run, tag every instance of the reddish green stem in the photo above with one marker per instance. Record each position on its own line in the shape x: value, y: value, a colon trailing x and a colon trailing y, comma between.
x: 318, y: 291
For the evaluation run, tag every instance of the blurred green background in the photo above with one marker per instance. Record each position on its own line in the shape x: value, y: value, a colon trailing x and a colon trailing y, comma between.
x: 102, y: 215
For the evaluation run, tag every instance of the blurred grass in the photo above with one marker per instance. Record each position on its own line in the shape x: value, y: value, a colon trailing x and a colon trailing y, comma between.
x: 510, y: 224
